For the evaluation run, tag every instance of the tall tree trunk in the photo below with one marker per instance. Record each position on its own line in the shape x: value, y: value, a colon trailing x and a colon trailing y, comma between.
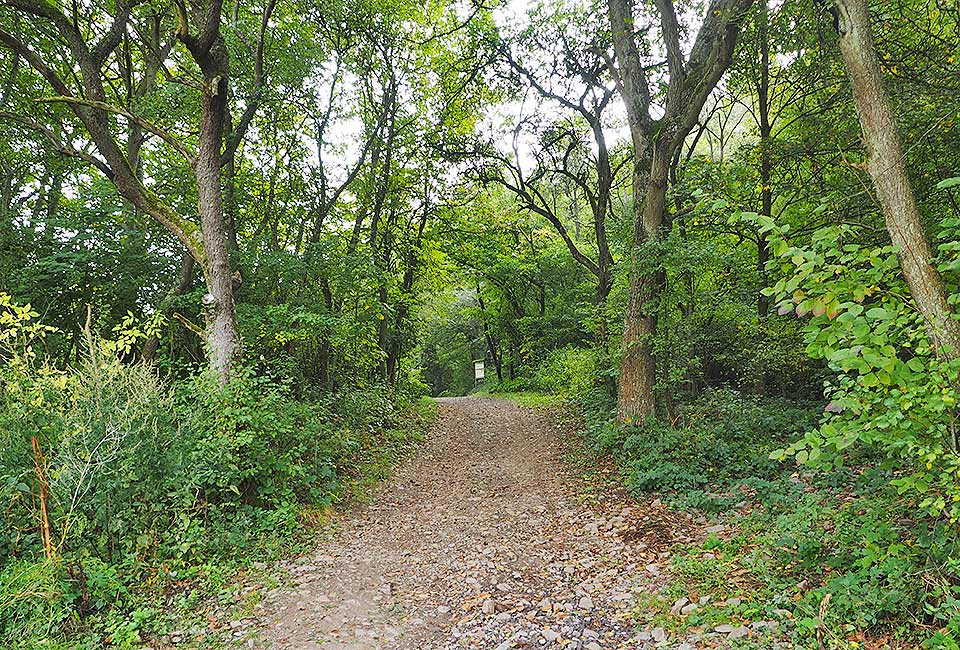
x: 691, y: 80
x: 885, y: 164
x: 636, y: 400
x: 219, y: 306
x: 766, y: 162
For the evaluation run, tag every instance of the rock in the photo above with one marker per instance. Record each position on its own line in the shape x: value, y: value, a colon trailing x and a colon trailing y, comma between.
x: 593, y: 645
x: 506, y: 645
x: 489, y: 606
x: 719, y: 528
x: 723, y: 629
x: 236, y: 625
x: 585, y: 603
x: 733, y: 602
x: 443, y: 609
x: 689, y: 609
x: 703, y: 600
x: 678, y: 605
x: 658, y: 634
x: 653, y: 569
x: 549, y: 635
x: 739, y: 632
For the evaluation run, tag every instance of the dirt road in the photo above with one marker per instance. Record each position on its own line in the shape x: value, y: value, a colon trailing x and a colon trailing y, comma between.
x: 478, y: 541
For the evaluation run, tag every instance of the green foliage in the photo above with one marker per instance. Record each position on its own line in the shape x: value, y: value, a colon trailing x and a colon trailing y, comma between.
x: 889, y: 392
x: 146, y: 482
x: 569, y: 371
x: 718, y: 440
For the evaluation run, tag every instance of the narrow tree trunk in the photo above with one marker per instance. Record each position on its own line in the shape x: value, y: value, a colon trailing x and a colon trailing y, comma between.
x: 766, y: 163
x: 152, y: 345
x: 488, y: 337
x: 885, y: 164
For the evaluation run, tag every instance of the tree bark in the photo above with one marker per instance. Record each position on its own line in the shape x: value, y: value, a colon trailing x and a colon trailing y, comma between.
x: 766, y: 162
x: 219, y: 304
x: 691, y: 80
x: 885, y: 164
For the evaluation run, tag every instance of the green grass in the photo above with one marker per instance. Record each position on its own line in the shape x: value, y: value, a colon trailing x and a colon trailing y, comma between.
x: 529, y: 399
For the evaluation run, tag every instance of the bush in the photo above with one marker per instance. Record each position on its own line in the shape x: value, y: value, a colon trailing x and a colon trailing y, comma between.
x: 721, y: 438
x: 569, y: 371
x: 143, y: 482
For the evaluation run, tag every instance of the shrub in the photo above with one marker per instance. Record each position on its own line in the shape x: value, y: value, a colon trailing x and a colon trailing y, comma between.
x: 142, y: 481
x: 721, y: 438
x: 889, y: 392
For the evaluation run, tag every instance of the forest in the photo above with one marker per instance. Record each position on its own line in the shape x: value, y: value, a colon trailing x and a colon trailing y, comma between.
x: 251, y: 251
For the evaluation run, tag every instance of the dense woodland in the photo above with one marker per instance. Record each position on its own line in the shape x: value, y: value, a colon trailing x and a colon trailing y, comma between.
x: 241, y: 241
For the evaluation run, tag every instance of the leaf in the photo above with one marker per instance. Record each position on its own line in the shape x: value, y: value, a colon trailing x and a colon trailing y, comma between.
x: 948, y: 182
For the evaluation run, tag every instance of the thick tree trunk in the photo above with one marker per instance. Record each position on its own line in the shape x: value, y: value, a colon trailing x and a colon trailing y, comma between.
x: 691, y: 80
x: 219, y: 306
x: 885, y: 164
x: 636, y: 400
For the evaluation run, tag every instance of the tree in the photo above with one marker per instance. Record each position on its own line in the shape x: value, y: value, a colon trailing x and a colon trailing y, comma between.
x: 79, y: 65
x: 887, y: 169
x: 690, y: 80
x: 572, y: 160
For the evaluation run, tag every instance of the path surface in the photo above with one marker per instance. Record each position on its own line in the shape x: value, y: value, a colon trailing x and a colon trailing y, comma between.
x: 479, y: 541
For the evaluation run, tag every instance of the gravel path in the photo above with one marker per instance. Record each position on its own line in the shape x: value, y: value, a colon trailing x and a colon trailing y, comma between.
x: 479, y: 541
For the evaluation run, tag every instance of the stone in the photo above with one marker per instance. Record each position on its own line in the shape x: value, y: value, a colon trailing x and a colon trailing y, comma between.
x: 739, y: 632
x: 724, y: 628
x: 585, y: 603
x: 689, y: 609
x: 489, y: 607
x: 658, y: 634
x: 550, y: 635
x: 593, y: 645
x: 679, y: 604
x: 733, y: 602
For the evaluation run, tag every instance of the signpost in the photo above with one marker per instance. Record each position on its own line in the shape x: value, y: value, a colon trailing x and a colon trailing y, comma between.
x: 478, y: 371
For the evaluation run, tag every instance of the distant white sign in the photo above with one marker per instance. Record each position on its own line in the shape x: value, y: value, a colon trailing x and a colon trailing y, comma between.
x: 478, y: 370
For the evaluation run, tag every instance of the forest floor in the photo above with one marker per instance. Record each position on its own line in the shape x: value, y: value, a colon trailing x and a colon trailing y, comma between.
x: 486, y: 538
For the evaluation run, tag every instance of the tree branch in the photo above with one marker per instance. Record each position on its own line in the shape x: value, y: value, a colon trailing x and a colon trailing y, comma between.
x: 139, y: 121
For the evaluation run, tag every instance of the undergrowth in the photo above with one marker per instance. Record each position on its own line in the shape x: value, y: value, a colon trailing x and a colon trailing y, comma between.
x: 127, y: 501
x: 832, y: 558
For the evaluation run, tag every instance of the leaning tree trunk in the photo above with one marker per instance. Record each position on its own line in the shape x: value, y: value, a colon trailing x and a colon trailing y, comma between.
x: 885, y: 164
